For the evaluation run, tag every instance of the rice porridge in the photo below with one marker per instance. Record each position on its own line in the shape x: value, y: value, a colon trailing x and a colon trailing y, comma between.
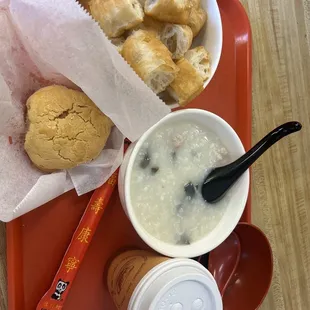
x: 166, y: 183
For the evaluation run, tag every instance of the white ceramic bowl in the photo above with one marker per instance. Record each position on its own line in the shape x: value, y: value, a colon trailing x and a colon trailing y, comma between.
x: 236, y: 203
x: 211, y: 37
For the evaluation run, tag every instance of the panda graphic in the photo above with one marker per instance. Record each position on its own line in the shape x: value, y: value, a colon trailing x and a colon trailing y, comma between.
x: 60, y: 288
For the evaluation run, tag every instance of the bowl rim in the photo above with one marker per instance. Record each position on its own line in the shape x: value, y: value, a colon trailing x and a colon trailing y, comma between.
x: 215, y: 58
x: 192, y: 250
x: 215, y: 61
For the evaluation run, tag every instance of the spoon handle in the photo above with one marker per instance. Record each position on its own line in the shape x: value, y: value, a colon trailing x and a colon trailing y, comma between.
x: 245, y: 161
x: 224, y: 177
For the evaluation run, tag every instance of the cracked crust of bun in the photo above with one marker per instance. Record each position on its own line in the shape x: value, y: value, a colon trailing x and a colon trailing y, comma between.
x: 66, y: 128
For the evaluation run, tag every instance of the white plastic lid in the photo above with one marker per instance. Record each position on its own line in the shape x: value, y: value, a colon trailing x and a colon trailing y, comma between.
x: 177, y: 284
x: 187, y: 292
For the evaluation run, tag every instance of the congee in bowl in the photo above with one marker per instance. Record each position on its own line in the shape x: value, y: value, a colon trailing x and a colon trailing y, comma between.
x: 161, y: 178
x: 166, y: 180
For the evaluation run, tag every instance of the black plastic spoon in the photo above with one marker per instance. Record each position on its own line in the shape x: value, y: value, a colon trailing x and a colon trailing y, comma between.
x: 220, y: 179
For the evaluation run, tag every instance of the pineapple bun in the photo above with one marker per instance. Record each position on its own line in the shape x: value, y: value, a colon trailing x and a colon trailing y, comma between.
x: 65, y: 128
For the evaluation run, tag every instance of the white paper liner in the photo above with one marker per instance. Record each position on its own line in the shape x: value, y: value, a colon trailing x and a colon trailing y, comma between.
x: 44, y: 42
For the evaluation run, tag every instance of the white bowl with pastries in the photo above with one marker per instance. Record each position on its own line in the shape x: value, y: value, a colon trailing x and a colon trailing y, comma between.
x: 173, y: 45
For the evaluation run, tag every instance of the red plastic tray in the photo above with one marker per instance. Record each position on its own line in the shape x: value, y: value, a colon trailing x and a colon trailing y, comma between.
x: 37, y: 241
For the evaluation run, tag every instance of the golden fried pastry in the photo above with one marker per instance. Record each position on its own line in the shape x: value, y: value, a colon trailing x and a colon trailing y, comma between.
x: 65, y: 128
x: 187, y: 85
x: 150, y: 59
x: 178, y: 39
x: 196, y: 3
x: 169, y: 11
x: 152, y: 25
x: 197, y: 19
x: 116, y: 16
x: 200, y: 60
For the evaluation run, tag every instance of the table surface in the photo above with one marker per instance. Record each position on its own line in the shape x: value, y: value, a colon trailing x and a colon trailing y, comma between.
x: 281, y: 179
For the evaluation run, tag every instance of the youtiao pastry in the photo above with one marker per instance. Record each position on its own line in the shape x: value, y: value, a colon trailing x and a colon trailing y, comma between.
x: 200, y: 59
x: 178, y: 39
x: 116, y: 16
x: 197, y: 19
x: 150, y: 59
x: 169, y: 11
x: 187, y: 85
